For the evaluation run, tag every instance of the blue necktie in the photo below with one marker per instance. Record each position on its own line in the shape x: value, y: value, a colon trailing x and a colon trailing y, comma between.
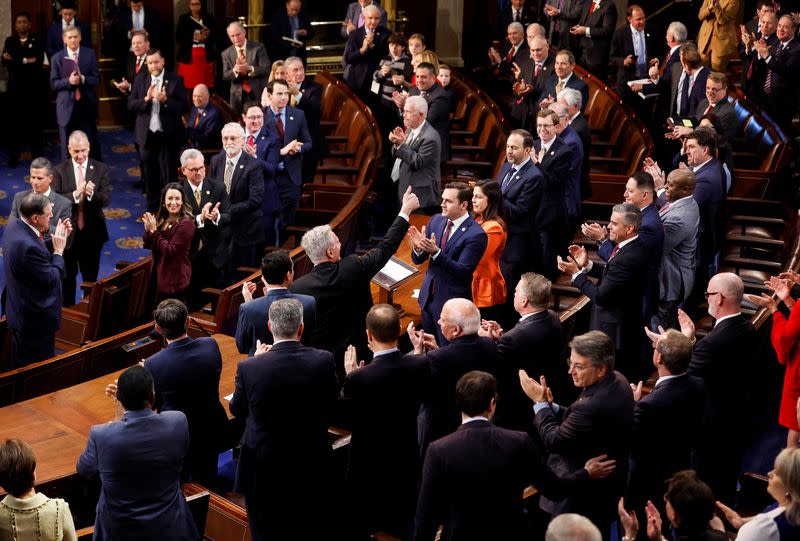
x: 684, y: 109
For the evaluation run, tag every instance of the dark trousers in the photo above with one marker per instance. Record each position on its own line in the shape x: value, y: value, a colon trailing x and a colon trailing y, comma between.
x: 31, y: 345
x: 245, y: 255
x: 430, y: 324
x: 160, y: 160
x: 84, y: 118
x: 204, y: 274
x: 83, y: 255
x: 289, y: 192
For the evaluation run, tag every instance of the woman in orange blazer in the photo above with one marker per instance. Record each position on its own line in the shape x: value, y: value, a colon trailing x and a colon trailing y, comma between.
x: 488, y: 285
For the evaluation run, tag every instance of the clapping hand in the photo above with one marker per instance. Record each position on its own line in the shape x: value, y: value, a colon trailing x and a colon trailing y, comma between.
x: 686, y: 324
x: 629, y: 520
x: 655, y: 336
x: 421, y: 242
x: 397, y: 136
x: 417, y: 338
x: 578, y: 253
x: 63, y: 230
x: 594, y: 231
x: 262, y: 348
x: 149, y: 222
x: 248, y: 289
x: 536, y: 391
x: 637, y: 391
x: 213, y: 214
x: 490, y: 329
x: 782, y: 287
x: 653, y: 521
x: 764, y: 301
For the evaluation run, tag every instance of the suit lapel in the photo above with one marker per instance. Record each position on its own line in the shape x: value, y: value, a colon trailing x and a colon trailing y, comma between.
x: 456, y: 233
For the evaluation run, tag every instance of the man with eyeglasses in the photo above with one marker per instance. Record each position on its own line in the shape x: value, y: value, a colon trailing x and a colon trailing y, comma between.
x: 715, y: 103
x: 529, y: 82
x: 265, y: 146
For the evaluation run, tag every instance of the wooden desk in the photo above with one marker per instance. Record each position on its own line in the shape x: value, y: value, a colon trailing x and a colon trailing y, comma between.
x: 57, y: 425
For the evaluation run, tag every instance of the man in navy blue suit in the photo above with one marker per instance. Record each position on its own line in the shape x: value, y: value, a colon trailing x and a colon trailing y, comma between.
x: 32, y: 296
x: 291, y: 22
x: 74, y: 76
x: 55, y: 32
x: 204, y: 121
x: 277, y: 274
x: 286, y: 393
x: 454, y: 243
x: 563, y: 76
x: 138, y: 460
x: 572, y: 188
x: 265, y: 146
x: 290, y: 125
x: 522, y: 184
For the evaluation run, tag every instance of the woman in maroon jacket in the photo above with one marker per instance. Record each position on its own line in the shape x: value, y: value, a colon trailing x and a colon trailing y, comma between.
x: 169, y: 236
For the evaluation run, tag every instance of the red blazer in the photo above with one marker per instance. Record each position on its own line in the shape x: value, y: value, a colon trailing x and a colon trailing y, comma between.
x: 170, y: 247
x: 785, y: 336
x: 488, y: 285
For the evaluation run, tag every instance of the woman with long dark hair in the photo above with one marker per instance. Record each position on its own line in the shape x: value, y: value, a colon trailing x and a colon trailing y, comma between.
x: 488, y: 285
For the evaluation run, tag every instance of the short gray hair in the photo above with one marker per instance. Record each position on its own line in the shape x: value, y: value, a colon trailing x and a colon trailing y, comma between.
x: 418, y: 104
x: 234, y: 126
x: 465, y: 314
x: 573, y: 97
x: 191, y: 154
x: 678, y: 30
x: 77, y: 136
x: 42, y: 163
x: 631, y: 215
x: 292, y: 60
x: 560, y: 109
x: 538, y: 30
x: 516, y: 26
x: 595, y: 346
x: 234, y: 24
x: 572, y: 527
x: 285, y: 318
x: 371, y: 7
x: 316, y: 242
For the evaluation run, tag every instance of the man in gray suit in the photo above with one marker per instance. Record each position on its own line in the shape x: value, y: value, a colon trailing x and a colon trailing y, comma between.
x: 416, y: 151
x: 680, y: 217
x: 246, y: 65
x: 41, y: 176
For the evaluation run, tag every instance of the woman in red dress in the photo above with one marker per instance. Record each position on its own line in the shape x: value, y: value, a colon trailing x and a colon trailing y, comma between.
x: 195, y: 35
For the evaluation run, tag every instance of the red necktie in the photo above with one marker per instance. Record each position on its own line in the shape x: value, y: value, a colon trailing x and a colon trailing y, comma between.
x: 246, y: 84
x: 536, y: 70
x: 663, y: 209
x: 591, y: 8
x: 446, y: 234
x: 279, y: 125
x: 708, y: 109
x: 138, y: 65
x: 614, y: 251
x: 510, y: 55
x: 250, y: 140
x: 78, y: 69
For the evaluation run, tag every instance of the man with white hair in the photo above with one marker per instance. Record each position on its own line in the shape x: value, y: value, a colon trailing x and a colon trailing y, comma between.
x: 417, y: 150
x: 515, y: 51
x: 530, y: 79
x: 246, y: 65
x: 573, y: 99
x: 341, y: 284
x: 572, y: 527
x: 365, y: 47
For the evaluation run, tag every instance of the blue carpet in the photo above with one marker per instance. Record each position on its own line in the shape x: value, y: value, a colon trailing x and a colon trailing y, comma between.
x: 127, y: 201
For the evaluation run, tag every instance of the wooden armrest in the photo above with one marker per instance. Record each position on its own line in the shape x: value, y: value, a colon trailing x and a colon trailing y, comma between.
x: 755, y: 220
x: 122, y: 264
x: 466, y: 164
x: 605, y: 159
x: 754, y: 241
x: 86, y: 286
x: 213, y: 291
x: 753, y: 264
x: 336, y: 138
x: 340, y: 154
x: 85, y: 534
x: 338, y: 169
x: 466, y: 149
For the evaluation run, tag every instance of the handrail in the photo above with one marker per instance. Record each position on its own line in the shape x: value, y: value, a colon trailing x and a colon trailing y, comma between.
x: 246, y: 25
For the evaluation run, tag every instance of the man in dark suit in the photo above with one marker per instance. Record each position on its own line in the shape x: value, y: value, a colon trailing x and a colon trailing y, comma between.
x: 86, y: 184
x: 290, y: 125
x: 716, y: 103
x: 515, y: 11
x: 139, y: 18
x: 245, y: 65
x: 722, y: 358
x: 563, y: 16
x: 341, y: 284
x: 632, y: 50
x: 562, y: 76
x: 573, y: 99
x: 355, y: 18
x: 514, y: 51
x: 435, y: 96
x: 66, y: 20
x: 203, y: 124
x: 306, y: 95
x: 530, y: 83
x: 210, y: 250
x: 138, y: 460
x: 539, y: 330
x: 595, y: 29
x: 243, y: 179
x: 362, y: 54
x: 417, y: 154
x: 673, y: 406
x: 277, y: 275
x: 74, y: 76
x: 293, y: 23
x: 618, y: 295
x: 472, y: 479
x: 286, y: 393
x: 572, y: 183
x: 32, y: 296
x: 136, y: 61
x: 186, y: 378
x: 782, y: 62
x: 687, y: 83
x: 264, y: 145
x: 754, y: 73
x: 453, y: 244
x: 41, y: 179
x: 522, y: 185
x: 383, y: 399
x: 159, y: 101
x: 600, y: 421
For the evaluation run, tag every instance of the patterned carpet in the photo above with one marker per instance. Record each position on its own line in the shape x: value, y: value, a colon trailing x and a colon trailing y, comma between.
x: 127, y: 201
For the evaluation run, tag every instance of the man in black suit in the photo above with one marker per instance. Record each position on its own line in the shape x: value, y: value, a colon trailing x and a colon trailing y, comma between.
x: 522, y: 184
x: 286, y: 393
x: 204, y: 122
x: 595, y: 28
x: 362, y: 54
x: 159, y: 101
x: 632, y: 50
x: 530, y: 83
x: 687, y: 83
x: 573, y: 99
x: 539, y: 330
x: 211, y: 210
x: 563, y: 16
x: 383, y: 400
x: 782, y: 62
x: 66, y: 20
x: 243, y: 179
x: 666, y: 423
x: 600, y: 421
x: 306, y: 95
x: 515, y: 51
x: 341, y: 284
x: 438, y: 102
x: 460, y: 322
x: 473, y: 478
x: 562, y: 76
x: 722, y: 358
x: 515, y: 11
x: 293, y: 23
x: 754, y: 73
x: 136, y: 62
x: 85, y: 183
x: 139, y: 18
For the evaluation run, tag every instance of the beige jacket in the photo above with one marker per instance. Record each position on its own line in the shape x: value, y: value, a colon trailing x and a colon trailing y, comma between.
x: 38, y: 518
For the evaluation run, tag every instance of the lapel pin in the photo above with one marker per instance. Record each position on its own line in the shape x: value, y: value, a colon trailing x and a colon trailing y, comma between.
x: 517, y: 177
x: 291, y: 118
x: 552, y: 153
x: 241, y: 166
x: 463, y: 229
x: 208, y: 192
x: 204, y: 114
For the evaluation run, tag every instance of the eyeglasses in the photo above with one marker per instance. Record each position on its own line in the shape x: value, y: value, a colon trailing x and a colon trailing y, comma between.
x: 708, y: 294
x: 576, y: 366
x: 196, y: 169
x: 255, y: 117
x: 544, y: 126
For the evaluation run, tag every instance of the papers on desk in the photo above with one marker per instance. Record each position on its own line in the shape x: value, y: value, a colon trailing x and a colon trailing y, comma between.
x: 415, y: 294
x: 228, y: 397
x: 645, y: 83
x: 394, y: 273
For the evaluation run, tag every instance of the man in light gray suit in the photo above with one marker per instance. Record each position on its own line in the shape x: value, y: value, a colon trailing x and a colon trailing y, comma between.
x: 40, y: 177
x: 680, y: 217
x: 355, y: 17
x: 246, y: 65
x: 416, y: 151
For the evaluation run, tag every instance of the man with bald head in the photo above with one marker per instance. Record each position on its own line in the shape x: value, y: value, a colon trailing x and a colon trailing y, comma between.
x: 365, y: 47
x: 459, y: 322
x: 530, y: 80
x: 204, y: 122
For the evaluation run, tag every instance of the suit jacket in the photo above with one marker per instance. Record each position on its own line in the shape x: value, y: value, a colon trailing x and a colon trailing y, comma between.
x: 23, y: 79
x: 572, y: 186
x: 439, y: 414
x: 472, y: 481
x: 62, y: 208
x: 281, y: 26
x: 574, y: 81
x: 600, y: 421
x: 33, y: 275
x: 521, y: 57
x: 253, y: 317
x: 358, y: 68
x: 488, y: 284
x: 354, y: 12
x: 95, y: 230
x: 622, y: 47
x: 138, y: 460
x: 782, y: 101
x: 524, y: 108
x: 311, y: 104
x: 186, y: 376
x: 570, y: 14
x: 709, y: 192
x: 342, y: 290
x: 215, y: 238
x: 725, y: 112
x: 754, y: 72
x: 602, y: 22
x: 204, y: 129
x: 256, y: 56
x: 681, y: 223
x: 419, y: 166
x: 171, y: 247
x: 438, y: 114
x: 151, y: 24
x: 55, y: 37
x: 555, y: 168
x: 505, y: 16
x: 580, y: 125
x: 696, y: 94
x: 540, y: 332
x: 450, y: 274
x: 666, y: 425
x: 170, y: 112
x: 268, y: 150
x: 65, y: 92
x: 522, y: 195
x: 246, y: 195
x: 295, y: 127
x: 719, y: 29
